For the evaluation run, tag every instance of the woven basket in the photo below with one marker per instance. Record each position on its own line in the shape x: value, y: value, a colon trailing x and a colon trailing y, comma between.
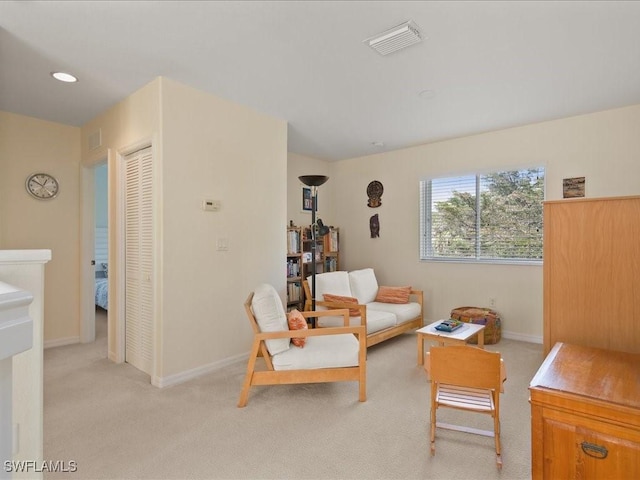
x: 481, y: 316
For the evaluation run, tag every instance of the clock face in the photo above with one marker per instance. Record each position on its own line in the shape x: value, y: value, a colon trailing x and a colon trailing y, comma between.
x: 42, y: 186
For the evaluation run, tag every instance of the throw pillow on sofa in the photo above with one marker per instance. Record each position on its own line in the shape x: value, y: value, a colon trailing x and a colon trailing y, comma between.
x: 353, y: 312
x: 393, y: 294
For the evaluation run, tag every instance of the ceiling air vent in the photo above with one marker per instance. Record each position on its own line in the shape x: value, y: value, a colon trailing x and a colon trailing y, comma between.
x: 395, y: 38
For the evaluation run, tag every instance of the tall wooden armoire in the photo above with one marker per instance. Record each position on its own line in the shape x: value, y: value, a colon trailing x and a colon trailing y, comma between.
x: 592, y: 273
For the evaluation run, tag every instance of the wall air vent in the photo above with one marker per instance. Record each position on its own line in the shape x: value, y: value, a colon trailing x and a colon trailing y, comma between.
x: 395, y: 38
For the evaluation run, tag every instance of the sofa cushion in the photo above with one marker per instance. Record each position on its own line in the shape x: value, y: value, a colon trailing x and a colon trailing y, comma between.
x: 364, y: 285
x: 404, y: 312
x: 353, y: 312
x: 336, y: 283
x: 393, y: 294
x: 326, y: 351
x: 269, y: 312
x: 297, y: 322
x: 376, y: 320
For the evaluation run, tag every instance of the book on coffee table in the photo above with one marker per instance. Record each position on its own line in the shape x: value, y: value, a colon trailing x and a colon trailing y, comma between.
x: 449, y: 325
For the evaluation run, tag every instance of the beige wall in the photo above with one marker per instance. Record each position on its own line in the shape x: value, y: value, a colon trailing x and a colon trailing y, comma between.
x: 604, y: 147
x: 204, y: 147
x: 216, y: 149
x: 29, y: 145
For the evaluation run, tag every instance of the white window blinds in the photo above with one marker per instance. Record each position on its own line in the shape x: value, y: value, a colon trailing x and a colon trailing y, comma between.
x: 490, y: 217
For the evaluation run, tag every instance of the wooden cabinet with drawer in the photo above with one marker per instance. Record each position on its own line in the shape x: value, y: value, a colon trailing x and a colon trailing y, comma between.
x: 585, y: 415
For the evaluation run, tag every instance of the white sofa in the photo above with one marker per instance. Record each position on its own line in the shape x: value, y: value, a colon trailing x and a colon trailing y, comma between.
x: 382, y: 320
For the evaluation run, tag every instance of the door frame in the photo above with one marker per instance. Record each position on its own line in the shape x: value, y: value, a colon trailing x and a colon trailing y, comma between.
x: 87, y: 250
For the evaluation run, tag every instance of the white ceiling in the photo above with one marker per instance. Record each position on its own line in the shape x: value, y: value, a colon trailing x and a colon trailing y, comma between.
x: 485, y: 65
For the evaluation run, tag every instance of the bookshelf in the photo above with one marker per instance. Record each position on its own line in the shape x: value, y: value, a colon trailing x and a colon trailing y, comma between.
x: 295, y: 294
x: 299, y: 260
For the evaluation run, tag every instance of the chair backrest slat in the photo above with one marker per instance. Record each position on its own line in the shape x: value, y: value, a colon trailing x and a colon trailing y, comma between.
x: 465, y: 365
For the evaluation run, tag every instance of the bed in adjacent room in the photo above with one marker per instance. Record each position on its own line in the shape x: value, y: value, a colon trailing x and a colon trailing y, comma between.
x: 102, y: 292
x: 102, y: 266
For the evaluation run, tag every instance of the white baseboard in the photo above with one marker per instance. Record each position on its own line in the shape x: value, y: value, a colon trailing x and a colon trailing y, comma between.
x: 523, y: 337
x: 60, y: 342
x: 181, y: 377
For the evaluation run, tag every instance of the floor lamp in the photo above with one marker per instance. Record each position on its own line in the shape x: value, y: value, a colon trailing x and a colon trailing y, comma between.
x: 317, y: 228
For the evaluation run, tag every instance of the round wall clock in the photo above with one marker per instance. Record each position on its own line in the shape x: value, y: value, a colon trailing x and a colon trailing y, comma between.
x: 374, y: 191
x: 42, y: 186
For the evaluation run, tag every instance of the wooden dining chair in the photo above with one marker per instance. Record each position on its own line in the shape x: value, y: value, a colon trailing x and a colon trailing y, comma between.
x: 466, y: 378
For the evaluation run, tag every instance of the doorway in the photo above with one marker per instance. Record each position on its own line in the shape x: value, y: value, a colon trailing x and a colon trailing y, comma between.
x: 101, y: 252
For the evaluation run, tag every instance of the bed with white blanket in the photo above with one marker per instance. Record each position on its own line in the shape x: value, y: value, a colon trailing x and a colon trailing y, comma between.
x: 102, y: 292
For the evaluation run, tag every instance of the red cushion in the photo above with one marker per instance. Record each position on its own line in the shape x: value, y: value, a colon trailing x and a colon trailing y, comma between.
x: 297, y: 322
x: 393, y: 294
x: 353, y: 312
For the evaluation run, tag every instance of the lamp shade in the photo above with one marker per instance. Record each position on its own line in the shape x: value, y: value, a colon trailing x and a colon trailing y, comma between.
x: 313, y: 180
x: 322, y: 228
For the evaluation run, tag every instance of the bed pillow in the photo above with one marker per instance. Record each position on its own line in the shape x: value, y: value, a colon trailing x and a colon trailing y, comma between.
x: 393, y: 294
x: 297, y: 322
x: 353, y: 312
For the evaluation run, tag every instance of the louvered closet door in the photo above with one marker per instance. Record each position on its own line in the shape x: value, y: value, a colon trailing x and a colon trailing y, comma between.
x: 139, y: 260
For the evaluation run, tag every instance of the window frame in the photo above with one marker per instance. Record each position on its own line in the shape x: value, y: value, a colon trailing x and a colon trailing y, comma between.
x: 426, y: 230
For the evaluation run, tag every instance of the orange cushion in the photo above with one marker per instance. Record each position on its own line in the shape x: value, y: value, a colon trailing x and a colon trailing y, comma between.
x: 393, y: 294
x: 297, y: 322
x: 353, y: 312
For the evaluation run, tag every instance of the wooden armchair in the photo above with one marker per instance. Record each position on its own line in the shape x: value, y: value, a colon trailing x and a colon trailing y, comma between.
x: 466, y: 378
x: 329, y: 355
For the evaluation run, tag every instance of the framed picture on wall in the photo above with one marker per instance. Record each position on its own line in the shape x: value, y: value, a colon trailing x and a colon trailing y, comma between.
x: 306, y: 199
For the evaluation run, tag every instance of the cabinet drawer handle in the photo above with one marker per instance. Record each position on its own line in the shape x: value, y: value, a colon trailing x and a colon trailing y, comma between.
x: 593, y: 450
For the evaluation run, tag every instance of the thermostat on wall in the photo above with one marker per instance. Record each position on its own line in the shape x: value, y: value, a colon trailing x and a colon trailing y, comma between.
x: 210, y: 205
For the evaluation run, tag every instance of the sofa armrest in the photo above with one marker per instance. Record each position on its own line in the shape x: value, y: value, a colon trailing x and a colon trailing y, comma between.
x: 418, y: 294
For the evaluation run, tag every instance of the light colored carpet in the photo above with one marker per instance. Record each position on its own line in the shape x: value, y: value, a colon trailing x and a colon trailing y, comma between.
x: 115, y: 425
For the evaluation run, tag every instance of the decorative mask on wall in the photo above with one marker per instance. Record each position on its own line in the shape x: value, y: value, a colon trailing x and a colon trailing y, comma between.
x: 374, y: 191
x: 374, y: 226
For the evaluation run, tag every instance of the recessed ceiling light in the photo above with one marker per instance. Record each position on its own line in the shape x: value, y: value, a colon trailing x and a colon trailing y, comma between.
x: 64, y: 77
x: 377, y: 144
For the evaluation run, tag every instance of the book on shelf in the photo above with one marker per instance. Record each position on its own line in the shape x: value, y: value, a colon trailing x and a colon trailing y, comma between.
x: 294, y: 292
x: 332, y: 240
x: 293, y: 268
x: 293, y: 241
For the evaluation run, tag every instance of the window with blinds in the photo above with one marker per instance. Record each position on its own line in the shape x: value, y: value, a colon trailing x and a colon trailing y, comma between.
x: 495, y: 217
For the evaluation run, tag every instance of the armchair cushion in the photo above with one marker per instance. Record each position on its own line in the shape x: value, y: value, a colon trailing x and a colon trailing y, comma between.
x: 269, y: 312
x: 393, y: 294
x: 364, y: 285
x: 297, y: 321
x: 326, y: 351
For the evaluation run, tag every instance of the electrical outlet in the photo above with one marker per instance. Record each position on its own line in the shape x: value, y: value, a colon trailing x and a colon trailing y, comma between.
x: 492, y: 302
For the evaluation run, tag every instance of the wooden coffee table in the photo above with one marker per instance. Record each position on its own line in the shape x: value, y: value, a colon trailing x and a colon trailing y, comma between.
x: 459, y: 336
